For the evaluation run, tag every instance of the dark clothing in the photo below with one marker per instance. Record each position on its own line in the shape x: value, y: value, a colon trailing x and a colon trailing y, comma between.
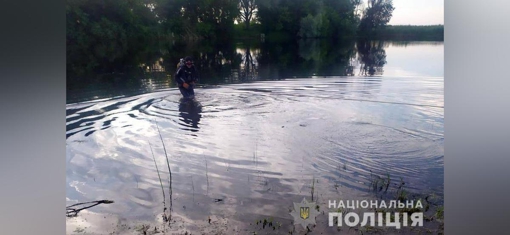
x: 189, y: 76
x: 187, y: 93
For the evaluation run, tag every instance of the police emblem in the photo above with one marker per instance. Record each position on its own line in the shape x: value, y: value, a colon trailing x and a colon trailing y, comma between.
x: 304, y: 213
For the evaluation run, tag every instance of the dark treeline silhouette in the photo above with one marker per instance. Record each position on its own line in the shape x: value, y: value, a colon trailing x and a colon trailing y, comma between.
x: 111, y: 39
x: 410, y: 32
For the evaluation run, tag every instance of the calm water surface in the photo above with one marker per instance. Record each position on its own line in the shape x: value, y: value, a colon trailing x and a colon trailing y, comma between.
x: 246, y: 151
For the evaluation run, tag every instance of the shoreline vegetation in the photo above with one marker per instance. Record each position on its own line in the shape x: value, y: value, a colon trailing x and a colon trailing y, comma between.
x: 389, y: 33
x: 411, y: 33
x: 117, y: 36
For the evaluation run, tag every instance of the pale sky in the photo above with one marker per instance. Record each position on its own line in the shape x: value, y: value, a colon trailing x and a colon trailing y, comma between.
x: 417, y: 12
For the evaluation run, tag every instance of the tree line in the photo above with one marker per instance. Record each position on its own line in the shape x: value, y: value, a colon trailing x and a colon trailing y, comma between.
x: 105, y: 35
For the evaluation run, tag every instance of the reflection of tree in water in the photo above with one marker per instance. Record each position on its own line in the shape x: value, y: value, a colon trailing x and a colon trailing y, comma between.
x: 249, y: 65
x: 372, y: 57
x: 190, y: 112
x: 325, y: 57
x: 349, y: 69
x: 305, y: 58
x: 309, y: 49
x: 214, y: 60
x: 228, y: 61
x: 218, y: 62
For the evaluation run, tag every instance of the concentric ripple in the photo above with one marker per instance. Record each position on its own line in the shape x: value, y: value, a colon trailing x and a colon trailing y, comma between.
x: 248, y: 150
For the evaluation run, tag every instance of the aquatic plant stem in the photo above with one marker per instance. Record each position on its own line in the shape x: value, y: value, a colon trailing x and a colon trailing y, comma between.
x: 160, y: 181
x: 168, y: 164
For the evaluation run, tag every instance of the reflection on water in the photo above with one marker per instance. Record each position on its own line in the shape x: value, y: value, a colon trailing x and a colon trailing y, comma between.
x: 246, y: 151
x: 372, y: 58
x: 243, y: 152
x: 248, y: 69
x: 190, y: 112
x: 234, y: 63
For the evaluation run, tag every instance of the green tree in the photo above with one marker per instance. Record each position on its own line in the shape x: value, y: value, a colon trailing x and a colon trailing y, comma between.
x: 169, y: 14
x: 247, y: 9
x: 209, y: 19
x: 377, y: 14
x: 306, y: 18
x: 217, y: 17
x: 109, y: 35
x: 311, y: 26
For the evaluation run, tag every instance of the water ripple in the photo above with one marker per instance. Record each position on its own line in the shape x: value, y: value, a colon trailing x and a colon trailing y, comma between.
x: 261, y: 143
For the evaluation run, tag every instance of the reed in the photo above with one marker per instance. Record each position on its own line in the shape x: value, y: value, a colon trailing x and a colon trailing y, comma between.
x: 159, y: 176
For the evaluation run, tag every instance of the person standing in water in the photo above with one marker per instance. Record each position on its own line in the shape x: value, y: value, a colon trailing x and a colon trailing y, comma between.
x: 186, y: 77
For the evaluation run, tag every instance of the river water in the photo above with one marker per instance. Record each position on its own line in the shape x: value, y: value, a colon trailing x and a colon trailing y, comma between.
x: 245, y: 151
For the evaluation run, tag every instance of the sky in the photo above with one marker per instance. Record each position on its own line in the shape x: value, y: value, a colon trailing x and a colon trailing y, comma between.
x: 417, y: 12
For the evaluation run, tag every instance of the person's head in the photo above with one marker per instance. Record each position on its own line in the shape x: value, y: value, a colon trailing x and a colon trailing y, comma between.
x: 188, y: 61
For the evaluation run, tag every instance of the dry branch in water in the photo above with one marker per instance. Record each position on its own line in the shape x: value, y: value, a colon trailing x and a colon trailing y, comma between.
x: 73, y: 212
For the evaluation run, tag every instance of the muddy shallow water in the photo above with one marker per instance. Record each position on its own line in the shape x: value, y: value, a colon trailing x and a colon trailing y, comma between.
x: 242, y: 153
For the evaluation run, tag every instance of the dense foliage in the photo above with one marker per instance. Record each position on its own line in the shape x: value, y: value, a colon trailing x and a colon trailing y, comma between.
x: 309, y: 18
x: 376, y: 15
x: 106, y: 35
x: 114, y: 36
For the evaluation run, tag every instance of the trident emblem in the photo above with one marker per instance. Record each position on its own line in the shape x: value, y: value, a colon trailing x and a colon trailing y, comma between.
x: 304, y: 212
